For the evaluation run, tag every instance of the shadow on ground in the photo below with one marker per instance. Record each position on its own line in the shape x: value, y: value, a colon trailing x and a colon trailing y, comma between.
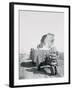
x: 27, y: 64
x: 30, y: 71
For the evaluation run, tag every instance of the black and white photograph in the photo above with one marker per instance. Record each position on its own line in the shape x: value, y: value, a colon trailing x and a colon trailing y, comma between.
x: 41, y: 44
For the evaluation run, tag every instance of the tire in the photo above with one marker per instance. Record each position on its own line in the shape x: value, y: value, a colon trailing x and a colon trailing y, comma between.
x: 53, y: 72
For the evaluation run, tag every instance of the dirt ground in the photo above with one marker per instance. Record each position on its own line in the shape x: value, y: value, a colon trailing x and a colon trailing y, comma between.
x: 28, y: 71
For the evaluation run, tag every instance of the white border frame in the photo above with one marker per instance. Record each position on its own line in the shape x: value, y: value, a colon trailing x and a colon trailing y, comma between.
x: 66, y: 49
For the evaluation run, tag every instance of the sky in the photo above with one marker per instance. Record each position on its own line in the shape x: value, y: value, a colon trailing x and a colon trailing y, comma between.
x: 34, y: 24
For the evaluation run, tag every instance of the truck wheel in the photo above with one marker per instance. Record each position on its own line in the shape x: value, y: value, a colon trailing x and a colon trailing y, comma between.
x: 52, y: 70
x: 55, y: 70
